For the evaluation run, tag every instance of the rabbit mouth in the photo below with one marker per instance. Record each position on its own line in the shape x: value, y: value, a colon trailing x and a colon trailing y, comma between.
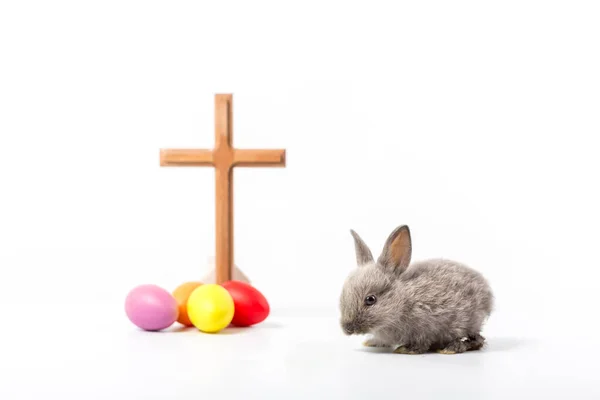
x: 352, y: 328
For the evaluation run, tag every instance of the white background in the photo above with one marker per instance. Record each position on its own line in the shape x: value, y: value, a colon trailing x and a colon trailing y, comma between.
x: 475, y: 123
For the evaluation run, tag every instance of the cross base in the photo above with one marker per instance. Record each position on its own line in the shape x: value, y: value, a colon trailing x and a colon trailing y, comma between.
x: 211, y: 276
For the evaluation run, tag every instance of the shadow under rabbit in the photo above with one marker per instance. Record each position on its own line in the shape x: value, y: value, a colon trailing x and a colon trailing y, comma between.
x: 499, y: 344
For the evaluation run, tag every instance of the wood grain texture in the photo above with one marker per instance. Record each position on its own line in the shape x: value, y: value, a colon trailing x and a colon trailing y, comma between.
x: 224, y: 188
x: 259, y: 158
x: 224, y: 157
x: 186, y: 158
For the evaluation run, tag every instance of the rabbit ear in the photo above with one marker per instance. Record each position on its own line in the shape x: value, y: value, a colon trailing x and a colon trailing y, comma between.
x: 397, y: 251
x: 363, y: 254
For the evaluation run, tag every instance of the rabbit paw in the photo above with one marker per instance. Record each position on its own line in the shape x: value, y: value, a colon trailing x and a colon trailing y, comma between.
x: 374, y: 342
x: 409, y: 350
x: 475, y: 342
x: 456, y: 346
x: 446, y: 351
x: 471, y: 342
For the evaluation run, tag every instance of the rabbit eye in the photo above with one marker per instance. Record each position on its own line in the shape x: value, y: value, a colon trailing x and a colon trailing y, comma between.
x: 370, y: 300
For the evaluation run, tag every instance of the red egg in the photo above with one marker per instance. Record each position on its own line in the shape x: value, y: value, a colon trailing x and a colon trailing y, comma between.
x: 251, y: 307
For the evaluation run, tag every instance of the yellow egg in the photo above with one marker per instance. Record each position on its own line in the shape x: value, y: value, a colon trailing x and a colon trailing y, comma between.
x: 210, y: 308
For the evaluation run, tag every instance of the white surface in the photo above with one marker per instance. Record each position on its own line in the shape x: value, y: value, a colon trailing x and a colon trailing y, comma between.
x: 476, y: 123
x: 300, y: 354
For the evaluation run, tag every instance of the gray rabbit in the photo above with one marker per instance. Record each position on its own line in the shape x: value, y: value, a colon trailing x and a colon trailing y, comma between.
x: 434, y: 305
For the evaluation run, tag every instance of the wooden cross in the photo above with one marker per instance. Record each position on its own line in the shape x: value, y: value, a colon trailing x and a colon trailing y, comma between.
x: 223, y: 158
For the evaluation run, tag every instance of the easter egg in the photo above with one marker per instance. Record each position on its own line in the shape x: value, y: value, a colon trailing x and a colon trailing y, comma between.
x: 182, y: 294
x: 151, y: 307
x: 251, y: 307
x: 210, y: 308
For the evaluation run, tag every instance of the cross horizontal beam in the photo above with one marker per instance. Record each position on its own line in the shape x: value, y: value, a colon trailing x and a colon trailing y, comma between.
x: 259, y: 158
x: 241, y: 157
x: 186, y: 158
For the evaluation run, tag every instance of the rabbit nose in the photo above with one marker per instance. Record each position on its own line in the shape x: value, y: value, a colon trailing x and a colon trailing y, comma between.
x: 348, y: 327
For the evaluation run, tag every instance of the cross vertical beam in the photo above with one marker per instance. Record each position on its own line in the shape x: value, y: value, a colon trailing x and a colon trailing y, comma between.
x: 224, y: 187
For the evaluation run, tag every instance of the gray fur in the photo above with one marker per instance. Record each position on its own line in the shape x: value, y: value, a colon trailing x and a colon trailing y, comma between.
x: 429, y: 305
x: 363, y: 254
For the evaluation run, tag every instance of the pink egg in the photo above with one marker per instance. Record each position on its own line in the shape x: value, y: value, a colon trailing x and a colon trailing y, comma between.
x: 151, y: 307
